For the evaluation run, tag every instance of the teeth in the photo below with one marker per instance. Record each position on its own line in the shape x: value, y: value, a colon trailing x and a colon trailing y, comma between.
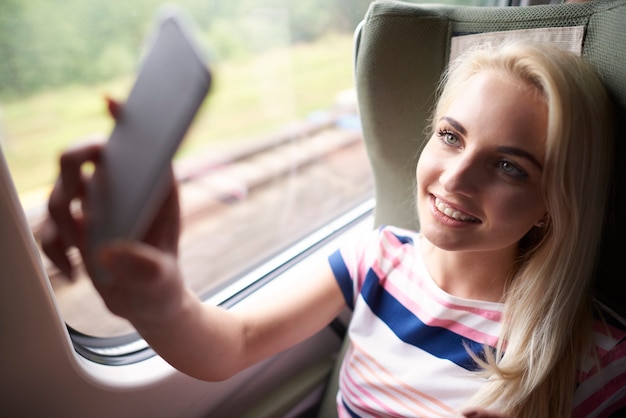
x: 448, y: 211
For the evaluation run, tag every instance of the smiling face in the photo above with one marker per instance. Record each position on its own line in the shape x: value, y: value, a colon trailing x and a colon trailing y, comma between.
x: 479, y: 176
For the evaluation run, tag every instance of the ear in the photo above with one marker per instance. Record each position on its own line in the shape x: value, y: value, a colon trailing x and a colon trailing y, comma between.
x: 541, y: 223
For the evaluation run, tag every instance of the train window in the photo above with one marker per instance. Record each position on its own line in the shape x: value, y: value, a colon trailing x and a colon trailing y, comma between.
x: 274, y: 155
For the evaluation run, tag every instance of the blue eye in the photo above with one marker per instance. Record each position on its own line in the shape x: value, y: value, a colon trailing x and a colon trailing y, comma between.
x: 512, y: 170
x: 448, y: 137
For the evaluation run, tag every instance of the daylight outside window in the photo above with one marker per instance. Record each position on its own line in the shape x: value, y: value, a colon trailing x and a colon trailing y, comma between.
x: 274, y: 154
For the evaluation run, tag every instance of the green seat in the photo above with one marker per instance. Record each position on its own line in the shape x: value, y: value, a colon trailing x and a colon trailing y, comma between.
x: 401, y: 51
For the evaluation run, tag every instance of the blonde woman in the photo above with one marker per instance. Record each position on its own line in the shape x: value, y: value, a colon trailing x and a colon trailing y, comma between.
x: 486, y: 311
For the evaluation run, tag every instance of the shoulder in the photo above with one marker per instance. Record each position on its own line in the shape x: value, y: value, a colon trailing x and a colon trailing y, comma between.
x: 609, y: 330
x: 377, y: 251
x: 602, y: 376
x: 394, y: 246
x: 383, y: 241
x: 390, y: 237
x: 403, y: 235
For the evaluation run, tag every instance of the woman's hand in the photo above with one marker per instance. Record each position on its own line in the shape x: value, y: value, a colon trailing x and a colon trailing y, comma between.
x: 64, y: 227
x: 142, y: 278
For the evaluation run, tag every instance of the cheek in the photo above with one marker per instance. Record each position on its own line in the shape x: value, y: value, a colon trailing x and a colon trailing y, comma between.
x: 426, y: 168
x: 519, y: 210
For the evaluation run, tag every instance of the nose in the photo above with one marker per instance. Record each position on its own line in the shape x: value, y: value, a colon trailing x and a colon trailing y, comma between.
x: 462, y: 176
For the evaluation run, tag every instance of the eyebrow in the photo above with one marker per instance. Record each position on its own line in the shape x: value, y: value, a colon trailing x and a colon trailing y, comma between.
x: 521, y: 153
x: 455, y: 124
x: 505, y: 150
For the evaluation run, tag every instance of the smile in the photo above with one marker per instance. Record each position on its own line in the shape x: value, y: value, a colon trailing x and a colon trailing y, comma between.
x: 453, y: 213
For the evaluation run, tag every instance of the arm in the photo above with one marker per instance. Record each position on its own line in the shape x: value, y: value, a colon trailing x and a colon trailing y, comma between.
x: 144, y: 285
x: 208, y: 342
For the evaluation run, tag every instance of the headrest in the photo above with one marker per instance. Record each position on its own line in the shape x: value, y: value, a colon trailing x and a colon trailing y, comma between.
x: 401, y: 51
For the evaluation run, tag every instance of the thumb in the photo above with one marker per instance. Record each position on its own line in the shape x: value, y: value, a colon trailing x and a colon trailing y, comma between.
x: 128, y: 260
x: 143, y: 283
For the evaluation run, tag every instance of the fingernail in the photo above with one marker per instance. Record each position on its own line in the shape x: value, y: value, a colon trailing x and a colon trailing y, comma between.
x: 113, y: 106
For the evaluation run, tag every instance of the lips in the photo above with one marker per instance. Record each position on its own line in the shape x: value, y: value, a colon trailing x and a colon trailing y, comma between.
x: 454, y: 213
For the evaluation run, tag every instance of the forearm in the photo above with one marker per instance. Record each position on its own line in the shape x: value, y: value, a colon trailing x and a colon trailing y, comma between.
x: 200, y: 340
x: 211, y: 343
x: 204, y: 341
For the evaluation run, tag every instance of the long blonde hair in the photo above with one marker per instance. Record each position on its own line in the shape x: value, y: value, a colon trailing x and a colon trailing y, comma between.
x: 547, y: 325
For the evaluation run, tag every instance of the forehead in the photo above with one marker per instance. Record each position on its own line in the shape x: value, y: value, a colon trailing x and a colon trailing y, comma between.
x: 501, y: 107
x: 499, y: 80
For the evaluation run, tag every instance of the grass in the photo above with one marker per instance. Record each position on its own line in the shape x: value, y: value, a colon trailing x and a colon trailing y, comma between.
x: 251, y: 97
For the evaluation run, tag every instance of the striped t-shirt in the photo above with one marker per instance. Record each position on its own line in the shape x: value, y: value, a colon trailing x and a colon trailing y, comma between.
x: 409, y: 339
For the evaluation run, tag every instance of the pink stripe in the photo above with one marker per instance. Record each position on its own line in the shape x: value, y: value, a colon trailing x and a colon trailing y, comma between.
x: 595, y: 401
x: 345, y: 388
x: 492, y: 315
x: 606, y: 358
x: 385, y: 376
x: 342, y: 413
x: 602, y: 351
x: 450, y: 324
x: 379, y: 389
x: 363, y: 358
x: 613, y: 408
x: 608, y: 330
x: 350, y: 386
x: 364, y: 394
x: 363, y: 267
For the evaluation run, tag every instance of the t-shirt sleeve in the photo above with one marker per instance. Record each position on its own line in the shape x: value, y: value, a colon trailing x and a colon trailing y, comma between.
x: 352, y: 261
x: 602, y: 387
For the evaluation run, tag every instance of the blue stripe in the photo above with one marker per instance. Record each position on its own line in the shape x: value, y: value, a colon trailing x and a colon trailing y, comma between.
x: 350, y: 411
x: 342, y: 275
x: 404, y: 239
x: 439, y: 342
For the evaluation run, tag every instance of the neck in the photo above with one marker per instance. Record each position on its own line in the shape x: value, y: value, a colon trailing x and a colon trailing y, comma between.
x: 479, y: 275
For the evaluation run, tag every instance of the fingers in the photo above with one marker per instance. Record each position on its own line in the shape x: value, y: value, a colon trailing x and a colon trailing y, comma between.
x: 64, y: 227
x: 142, y: 282
x: 60, y: 212
x: 69, y: 186
x: 54, y: 248
x: 126, y: 260
x: 71, y: 162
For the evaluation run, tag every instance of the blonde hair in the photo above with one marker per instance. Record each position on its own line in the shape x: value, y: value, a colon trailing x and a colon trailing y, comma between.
x: 547, y: 325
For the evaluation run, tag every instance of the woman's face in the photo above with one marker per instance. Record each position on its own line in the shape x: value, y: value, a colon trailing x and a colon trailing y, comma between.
x: 479, y: 176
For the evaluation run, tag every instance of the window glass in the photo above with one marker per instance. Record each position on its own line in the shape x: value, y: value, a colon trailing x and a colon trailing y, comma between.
x: 274, y: 153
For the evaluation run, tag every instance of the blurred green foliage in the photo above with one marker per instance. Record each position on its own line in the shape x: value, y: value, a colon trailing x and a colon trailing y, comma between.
x: 46, y: 44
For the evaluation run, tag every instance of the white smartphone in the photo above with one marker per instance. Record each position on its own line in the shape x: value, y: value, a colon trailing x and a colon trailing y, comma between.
x: 130, y: 183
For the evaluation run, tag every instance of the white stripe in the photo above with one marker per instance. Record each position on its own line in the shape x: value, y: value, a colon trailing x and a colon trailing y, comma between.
x: 620, y: 394
x: 413, y: 281
x: 592, y: 385
x: 416, y: 368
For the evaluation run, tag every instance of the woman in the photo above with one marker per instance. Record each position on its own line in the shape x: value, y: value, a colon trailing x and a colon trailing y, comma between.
x: 489, y: 303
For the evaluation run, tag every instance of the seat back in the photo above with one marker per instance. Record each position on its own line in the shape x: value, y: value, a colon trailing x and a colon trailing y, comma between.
x: 401, y: 51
